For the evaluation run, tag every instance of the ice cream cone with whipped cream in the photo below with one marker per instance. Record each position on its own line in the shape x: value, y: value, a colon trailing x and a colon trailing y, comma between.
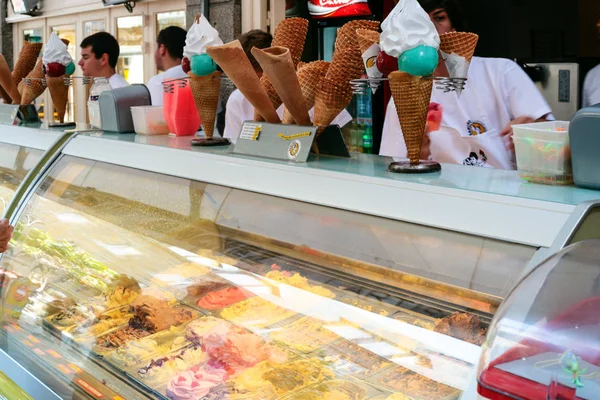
x: 58, y: 66
x: 205, y: 80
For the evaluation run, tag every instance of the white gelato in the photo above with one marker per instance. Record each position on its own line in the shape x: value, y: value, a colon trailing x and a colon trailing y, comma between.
x: 200, y: 35
x: 56, y: 51
x: 408, y: 26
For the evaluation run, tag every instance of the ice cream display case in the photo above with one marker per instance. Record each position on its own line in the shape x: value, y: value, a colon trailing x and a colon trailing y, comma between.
x: 542, y: 344
x: 143, y: 268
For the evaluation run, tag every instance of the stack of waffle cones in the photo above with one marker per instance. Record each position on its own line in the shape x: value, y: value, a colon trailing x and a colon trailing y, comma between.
x: 309, y: 77
x: 7, y: 82
x: 27, y: 60
x: 335, y: 92
x: 279, y: 67
x: 205, y: 90
x: 59, y: 91
x: 35, y: 87
x: 234, y: 62
x: 291, y: 34
x: 411, y: 95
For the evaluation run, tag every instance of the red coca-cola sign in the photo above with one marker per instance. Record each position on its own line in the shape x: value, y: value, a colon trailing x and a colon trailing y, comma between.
x: 338, y: 8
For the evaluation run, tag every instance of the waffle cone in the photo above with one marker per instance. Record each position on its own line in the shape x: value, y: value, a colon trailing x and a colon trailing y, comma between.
x: 234, y: 62
x: 412, y: 96
x: 205, y: 90
x: 60, y: 94
x: 366, y: 38
x: 273, y: 96
x: 331, y: 98
x: 27, y: 60
x: 279, y: 67
x: 459, y: 43
x: 36, y: 87
x: 347, y: 64
x: 309, y: 76
x: 8, y: 84
x: 291, y: 33
x: 5, y: 96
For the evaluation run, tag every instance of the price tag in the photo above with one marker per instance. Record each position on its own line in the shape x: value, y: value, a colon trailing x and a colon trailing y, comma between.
x: 282, y: 142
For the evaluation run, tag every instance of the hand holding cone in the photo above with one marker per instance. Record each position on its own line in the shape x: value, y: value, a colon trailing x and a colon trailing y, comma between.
x: 278, y: 65
x: 206, y: 91
x: 234, y: 62
x: 309, y: 77
x: 35, y: 87
x: 8, y: 83
x: 412, y: 96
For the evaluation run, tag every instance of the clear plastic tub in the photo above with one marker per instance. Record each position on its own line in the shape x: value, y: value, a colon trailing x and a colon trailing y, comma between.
x: 552, y: 130
x: 94, y: 112
x: 543, y: 152
x: 149, y: 120
x: 544, y: 161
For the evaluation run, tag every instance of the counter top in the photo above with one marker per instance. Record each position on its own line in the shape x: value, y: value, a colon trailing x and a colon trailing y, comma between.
x: 478, y: 201
x: 452, y: 176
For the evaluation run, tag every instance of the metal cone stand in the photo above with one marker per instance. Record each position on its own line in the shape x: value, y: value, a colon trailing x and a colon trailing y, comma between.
x: 69, y: 81
x: 445, y: 84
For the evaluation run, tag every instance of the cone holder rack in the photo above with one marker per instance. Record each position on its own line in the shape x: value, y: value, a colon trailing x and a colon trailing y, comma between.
x: 169, y: 87
x: 68, y: 81
x: 360, y: 86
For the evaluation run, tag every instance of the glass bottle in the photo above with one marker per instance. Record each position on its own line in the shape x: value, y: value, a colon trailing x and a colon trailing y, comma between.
x: 100, y: 85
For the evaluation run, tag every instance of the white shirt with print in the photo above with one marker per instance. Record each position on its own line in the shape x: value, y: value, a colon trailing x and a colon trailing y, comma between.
x: 239, y: 110
x: 497, y: 91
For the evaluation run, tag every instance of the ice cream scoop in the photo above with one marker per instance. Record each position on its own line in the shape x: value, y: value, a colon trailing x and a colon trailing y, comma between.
x: 409, y: 34
x: 200, y: 35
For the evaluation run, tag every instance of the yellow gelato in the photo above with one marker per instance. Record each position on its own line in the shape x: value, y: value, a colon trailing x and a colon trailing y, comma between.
x: 255, y: 311
x: 298, y: 281
x: 305, y: 334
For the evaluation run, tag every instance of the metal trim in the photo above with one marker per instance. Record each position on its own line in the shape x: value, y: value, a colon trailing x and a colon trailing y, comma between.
x: 29, y: 383
x: 572, y: 224
x: 35, y: 174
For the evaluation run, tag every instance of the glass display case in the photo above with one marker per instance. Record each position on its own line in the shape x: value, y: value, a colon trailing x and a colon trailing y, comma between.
x: 543, y: 341
x: 140, y: 268
x: 15, y: 163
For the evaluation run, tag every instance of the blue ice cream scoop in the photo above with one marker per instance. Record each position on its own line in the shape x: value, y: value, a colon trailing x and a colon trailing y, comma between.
x: 70, y: 69
x: 202, y: 65
x: 420, y: 61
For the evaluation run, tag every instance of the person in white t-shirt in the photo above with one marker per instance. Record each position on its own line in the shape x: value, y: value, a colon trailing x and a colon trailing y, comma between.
x: 591, y: 84
x: 498, y: 94
x: 169, y: 52
x: 99, y: 56
x: 239, y: 109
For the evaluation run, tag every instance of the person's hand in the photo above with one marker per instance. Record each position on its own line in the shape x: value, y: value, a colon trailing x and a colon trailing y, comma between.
x: 5, y: 234
x: 508, y: 130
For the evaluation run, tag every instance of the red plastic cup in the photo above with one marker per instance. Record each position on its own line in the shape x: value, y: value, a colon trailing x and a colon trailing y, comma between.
x: 179, y: 108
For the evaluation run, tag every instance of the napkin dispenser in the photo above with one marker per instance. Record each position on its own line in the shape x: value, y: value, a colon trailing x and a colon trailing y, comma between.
x: 115, y: 107
x: 584, y: 138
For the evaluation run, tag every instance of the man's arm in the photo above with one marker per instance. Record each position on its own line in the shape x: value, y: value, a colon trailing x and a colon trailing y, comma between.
x: 526, y: 103
x: 5, y: 234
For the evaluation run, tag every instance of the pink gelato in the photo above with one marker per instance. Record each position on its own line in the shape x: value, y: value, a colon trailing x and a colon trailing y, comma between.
x: 223, y: 298
x: 233, y: 346
x: 195, y: 383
